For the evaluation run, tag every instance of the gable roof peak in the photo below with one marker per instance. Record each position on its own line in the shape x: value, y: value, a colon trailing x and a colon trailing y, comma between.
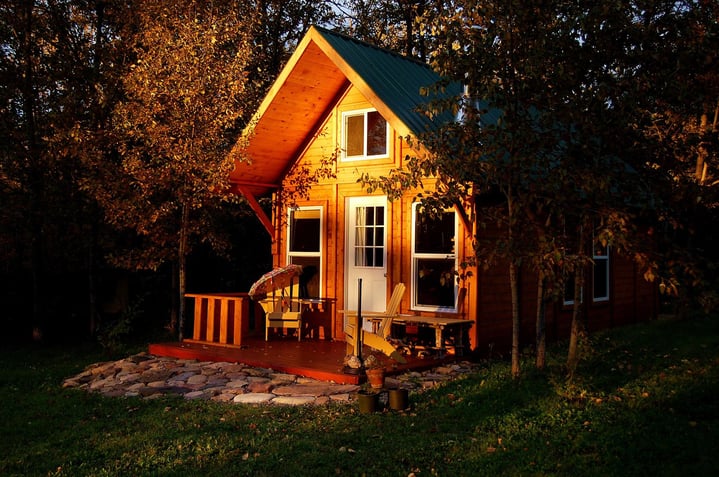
x: 314, y: 79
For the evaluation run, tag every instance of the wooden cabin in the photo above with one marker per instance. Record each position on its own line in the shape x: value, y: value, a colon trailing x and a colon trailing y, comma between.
x: 339, y: 96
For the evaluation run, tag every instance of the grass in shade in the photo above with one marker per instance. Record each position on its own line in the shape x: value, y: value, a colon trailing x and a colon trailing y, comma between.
x: 645, y: 403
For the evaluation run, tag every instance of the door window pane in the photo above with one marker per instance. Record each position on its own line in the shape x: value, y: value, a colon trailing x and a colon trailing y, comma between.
x: 369, y: 236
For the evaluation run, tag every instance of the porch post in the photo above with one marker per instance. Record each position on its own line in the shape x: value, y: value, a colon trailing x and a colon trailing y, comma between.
x: 358, y: 332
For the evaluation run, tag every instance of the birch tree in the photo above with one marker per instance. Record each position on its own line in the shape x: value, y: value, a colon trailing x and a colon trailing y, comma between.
x: 185, y: 99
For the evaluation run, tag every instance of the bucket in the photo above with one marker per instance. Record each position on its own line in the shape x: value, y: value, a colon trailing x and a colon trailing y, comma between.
x: 398, y: 399
x: 368, y: 401
x: 375, y: 377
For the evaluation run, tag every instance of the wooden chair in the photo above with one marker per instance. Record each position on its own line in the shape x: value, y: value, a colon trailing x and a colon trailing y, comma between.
x: 283, y: 310
x: 378, y: 338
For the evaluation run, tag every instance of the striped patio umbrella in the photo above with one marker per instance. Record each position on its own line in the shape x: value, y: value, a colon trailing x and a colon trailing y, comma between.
x: 274, y: 280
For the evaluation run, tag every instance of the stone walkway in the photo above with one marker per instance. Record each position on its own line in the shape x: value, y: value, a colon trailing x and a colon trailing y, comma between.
x: 147, y: 376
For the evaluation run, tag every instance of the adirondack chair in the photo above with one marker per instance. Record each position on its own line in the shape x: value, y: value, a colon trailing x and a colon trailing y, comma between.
x: 283, y: 310
x: 378, y: 337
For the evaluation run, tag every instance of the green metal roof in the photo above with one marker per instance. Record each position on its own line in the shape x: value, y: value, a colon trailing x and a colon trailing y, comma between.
x: 397, y: 80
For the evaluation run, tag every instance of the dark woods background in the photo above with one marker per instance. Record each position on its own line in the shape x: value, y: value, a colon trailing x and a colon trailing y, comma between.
x: 116, y: 118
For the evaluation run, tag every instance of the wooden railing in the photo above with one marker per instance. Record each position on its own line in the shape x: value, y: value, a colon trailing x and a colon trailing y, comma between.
x: 220, y: 318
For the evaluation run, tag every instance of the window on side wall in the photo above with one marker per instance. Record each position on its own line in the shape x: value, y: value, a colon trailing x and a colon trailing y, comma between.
x: 365, y: 135
x: 434, y: 260
x: 304, y: 247
x: 600, y: 279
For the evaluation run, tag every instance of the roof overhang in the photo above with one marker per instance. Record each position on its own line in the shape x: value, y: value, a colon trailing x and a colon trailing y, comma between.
x: 280, y: 130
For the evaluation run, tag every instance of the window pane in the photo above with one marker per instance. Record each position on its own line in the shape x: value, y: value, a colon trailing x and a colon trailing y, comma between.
x: 305, y: 231
x: 379, y: 257
x: 379, y: 236
x: 376, y: 134
x: 435, y: 283
x: 569, y: 288
x: 434, y: 235
x: 369, y: 215
x: 369, y: 254
x: 601, y: 272
x: 360, y: 260
x: 310, y: 278
x: 354, y: 135
x: 369, y: 236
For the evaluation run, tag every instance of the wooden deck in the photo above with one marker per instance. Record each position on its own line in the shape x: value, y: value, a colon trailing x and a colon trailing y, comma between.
x: 318, y: 359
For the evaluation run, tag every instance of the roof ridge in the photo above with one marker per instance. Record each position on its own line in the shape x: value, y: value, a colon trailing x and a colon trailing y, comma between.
x: 373, y: 46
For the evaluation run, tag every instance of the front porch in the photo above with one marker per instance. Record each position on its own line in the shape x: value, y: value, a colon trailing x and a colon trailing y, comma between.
x: 229, y: 327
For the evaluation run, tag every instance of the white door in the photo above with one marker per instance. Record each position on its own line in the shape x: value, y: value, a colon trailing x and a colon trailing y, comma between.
x: 366, y: 253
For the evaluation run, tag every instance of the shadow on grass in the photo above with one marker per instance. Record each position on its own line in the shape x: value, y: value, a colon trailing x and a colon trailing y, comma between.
x: 644, y: 405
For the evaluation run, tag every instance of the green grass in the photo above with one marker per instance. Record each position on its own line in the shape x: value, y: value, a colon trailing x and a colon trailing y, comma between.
x: 646, y: 403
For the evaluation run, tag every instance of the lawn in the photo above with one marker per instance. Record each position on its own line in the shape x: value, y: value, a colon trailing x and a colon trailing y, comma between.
x: 645, y: 403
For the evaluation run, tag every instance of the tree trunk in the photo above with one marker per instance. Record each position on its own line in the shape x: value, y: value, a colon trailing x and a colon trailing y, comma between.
x: 541, y: 336
x: 97, y: 123
x: 182, y: 261
x: 514, y: 285
x: 34, y: 175
x: 92, y: 282
x: 702, y: 165
x: 578, y: 330
x: 700, y: 168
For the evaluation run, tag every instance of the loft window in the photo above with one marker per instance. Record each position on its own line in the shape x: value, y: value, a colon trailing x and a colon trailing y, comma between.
x: 304, y: 247
x: 365, y: 135
x: 434, y: 259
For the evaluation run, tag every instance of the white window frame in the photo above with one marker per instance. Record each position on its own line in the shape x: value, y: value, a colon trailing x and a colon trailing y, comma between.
x: 320, y: 254
x: 364, y: 156
x: 415, y: 272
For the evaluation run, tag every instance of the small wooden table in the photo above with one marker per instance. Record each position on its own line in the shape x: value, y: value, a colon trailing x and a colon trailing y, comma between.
x: 455, y: 326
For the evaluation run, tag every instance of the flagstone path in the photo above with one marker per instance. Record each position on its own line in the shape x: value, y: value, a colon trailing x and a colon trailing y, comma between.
x: 148, y: 376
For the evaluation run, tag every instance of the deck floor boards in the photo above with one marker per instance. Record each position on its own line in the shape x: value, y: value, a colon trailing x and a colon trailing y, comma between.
x: 318, y: 359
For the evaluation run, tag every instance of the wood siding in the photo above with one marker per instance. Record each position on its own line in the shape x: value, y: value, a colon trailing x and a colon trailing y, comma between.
x: 488, y: 298
x: 632, y: 299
